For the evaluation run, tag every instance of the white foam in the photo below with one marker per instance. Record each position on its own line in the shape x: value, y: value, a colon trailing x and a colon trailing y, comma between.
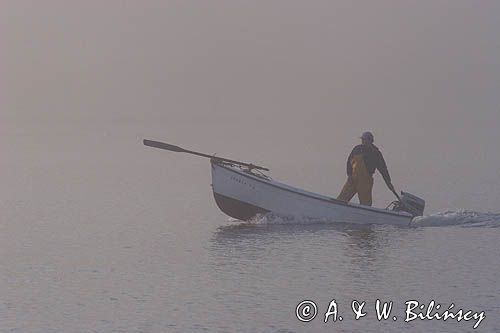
x: 466, y: 218
x: 461, y: 217
x: 270, y: 218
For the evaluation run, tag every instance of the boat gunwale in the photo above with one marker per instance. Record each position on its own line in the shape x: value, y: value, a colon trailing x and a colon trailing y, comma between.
x: 312, y: 195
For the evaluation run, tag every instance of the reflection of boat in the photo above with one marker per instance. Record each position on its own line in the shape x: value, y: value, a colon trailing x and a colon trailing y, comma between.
x: 243, y: 193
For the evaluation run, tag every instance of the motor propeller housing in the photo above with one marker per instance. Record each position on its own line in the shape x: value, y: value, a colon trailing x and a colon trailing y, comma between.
x: 412, y: 204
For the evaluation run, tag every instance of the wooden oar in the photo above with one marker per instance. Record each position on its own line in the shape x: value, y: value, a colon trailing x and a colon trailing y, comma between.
x: 177, y: 149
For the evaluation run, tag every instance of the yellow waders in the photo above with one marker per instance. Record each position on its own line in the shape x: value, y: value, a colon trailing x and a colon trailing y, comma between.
x: 362, y: 183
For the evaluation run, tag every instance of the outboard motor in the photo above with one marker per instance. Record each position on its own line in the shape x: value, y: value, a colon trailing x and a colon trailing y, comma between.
x: 411, y: 204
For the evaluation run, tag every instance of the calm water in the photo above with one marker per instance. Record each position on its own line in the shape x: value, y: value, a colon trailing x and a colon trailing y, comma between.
x: 117, y: 242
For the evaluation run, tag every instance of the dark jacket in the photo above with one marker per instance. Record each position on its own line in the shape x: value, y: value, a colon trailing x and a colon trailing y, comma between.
x: 373, y: 160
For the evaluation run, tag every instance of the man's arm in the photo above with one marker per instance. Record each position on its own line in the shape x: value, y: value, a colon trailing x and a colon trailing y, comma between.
x: 382, y: 168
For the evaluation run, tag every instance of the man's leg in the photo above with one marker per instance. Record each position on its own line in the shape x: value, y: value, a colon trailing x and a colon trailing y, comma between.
x: 365, y: 187
x: 348, y: 191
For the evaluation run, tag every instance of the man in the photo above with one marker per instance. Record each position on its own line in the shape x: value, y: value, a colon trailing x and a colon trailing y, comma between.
x: 361, y: 165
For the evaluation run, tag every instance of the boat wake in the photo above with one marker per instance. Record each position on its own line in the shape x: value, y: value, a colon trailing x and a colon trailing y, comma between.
x: 464, y: 218
x: 273, y: 219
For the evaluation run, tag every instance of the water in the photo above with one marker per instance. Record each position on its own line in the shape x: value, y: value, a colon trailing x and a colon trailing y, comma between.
x: 94, y: 241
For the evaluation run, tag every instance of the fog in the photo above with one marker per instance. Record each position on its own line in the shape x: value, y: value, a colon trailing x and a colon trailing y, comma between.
x: 286, y: 84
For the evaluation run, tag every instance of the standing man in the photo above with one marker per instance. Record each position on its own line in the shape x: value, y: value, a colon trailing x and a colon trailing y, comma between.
x: 361, y: 165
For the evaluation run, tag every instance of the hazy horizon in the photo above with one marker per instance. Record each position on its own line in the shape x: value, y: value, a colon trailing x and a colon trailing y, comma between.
x: 287, y: 84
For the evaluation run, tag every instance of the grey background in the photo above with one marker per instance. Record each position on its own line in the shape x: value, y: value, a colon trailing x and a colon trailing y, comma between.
x: 289, y: 84
x: 101, y: 234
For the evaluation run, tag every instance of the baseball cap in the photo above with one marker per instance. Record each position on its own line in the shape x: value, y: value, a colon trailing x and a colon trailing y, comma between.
x: 367, y: 136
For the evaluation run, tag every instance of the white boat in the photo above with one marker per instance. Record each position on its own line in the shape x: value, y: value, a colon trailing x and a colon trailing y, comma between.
x: 242, y: 191
x: 243, y: 194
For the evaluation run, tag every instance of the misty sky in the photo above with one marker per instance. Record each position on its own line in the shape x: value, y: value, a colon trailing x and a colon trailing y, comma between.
x: 287, y: 84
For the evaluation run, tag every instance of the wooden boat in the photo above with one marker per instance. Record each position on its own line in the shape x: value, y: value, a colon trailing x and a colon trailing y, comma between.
x: 243, y: 194
x: 243, y: 191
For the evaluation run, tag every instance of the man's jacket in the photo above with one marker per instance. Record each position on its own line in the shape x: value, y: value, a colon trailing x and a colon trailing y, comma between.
x: 373, y: 160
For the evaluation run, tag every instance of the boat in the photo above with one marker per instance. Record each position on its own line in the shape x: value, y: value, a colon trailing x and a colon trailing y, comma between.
x: 244, y: 194
x: 243, y: 191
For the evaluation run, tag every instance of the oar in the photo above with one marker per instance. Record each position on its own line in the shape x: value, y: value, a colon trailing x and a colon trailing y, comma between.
x: 177, y: 149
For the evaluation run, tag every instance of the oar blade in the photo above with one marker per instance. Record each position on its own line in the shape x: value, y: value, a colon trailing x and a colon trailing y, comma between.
x: 162, y: 145
x: 166, y: 146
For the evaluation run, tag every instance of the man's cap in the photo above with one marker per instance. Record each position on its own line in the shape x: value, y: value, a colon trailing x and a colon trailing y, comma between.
x: 367, y: 136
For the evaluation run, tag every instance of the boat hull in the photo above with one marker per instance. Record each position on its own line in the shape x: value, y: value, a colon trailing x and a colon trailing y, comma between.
x: 238, y: 209
x: 243, y: 195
